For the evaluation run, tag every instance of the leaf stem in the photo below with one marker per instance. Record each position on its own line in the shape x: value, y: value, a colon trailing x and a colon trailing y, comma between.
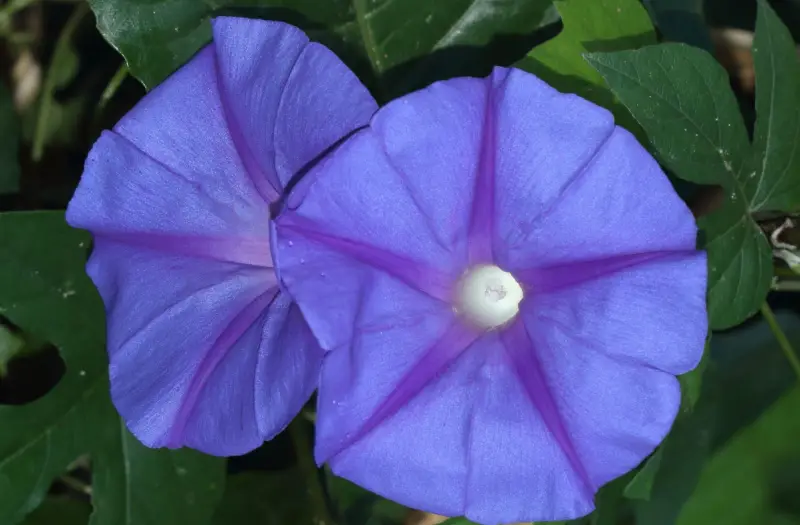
x: 113, y: 86
x: 108, y: 93
x: 786, y: 286
x: 783, y: 341
x: 309, y: 468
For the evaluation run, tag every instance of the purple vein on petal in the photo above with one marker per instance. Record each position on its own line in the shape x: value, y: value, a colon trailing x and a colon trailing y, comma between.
x: 559, y: 277
x: 229, y: 336
x: 481, y: 224
x: 266, y: 184
x: 249, y: 251
x: 417, y: 275
x: 526, y: 365
x: 434, y: 362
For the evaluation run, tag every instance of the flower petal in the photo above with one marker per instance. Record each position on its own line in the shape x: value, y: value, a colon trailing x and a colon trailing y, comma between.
x: 490, y: 429
x: 356, y: 200
x: 202, y: 363
x: 204, y: 350
x: 345, y: 299
x: 433, y: 139
x: 417, y: 455
x: 169, y: 170
x: 379, y: 333
x: 581, y: 182
x: 623, y: 316
x: 474, y: 152
x: 288, y: 99
x: 517, y: 469
x: 457, y: 446
x: 615, y: 412
x: 127, y: 195
x: 170, y: 261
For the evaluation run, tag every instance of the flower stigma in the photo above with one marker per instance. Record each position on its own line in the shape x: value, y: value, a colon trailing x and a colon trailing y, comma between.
x: 488, y: 296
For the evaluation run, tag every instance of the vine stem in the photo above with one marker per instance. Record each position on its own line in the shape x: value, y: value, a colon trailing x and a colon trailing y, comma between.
x: 783, y: 341
x: 76, y: 484
x: 310, y: 471
x: 113, y: 86
x: 51, y: 79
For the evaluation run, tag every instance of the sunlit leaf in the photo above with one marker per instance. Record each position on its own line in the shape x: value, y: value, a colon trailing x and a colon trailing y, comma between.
x: 590, y: 25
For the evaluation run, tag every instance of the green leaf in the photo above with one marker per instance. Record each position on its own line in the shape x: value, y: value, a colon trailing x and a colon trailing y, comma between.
x: 9, y: 146
x: 60, y: 510
x: 692, y: 381
x: 611, y: 507
x: 745, y: 482
x: 682, y: 98
x: 265, y: 498
x: 590, y: 25
x: 383, y: 40
x: 154, y: 37
x: 44, y: 291
x: 136, y: 485
x: 776, y: 141
x: 11, y: 345
x: 357, y: 506
x: 642, y: 484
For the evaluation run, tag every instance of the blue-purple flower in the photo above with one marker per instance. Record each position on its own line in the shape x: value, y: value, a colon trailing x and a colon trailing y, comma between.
x: 505, y: 285
x: 205, y: 350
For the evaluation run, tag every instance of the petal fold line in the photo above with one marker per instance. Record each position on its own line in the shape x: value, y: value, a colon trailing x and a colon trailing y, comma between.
x: 229, y: 336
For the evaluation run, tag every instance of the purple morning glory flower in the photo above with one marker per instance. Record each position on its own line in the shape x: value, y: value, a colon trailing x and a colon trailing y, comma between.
x: 205, y: 351
x: 505, y: 285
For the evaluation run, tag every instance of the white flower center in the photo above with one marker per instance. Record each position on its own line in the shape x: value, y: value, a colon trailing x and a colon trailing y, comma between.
x: 488, y: 296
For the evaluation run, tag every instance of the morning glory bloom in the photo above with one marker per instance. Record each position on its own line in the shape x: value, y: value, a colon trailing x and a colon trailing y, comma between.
x: 205, y: 350
x: 505, y: 285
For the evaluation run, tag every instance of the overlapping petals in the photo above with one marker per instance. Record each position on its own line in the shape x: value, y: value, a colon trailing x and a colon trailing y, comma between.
x: 527, y: 421
x: 205, y: 351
